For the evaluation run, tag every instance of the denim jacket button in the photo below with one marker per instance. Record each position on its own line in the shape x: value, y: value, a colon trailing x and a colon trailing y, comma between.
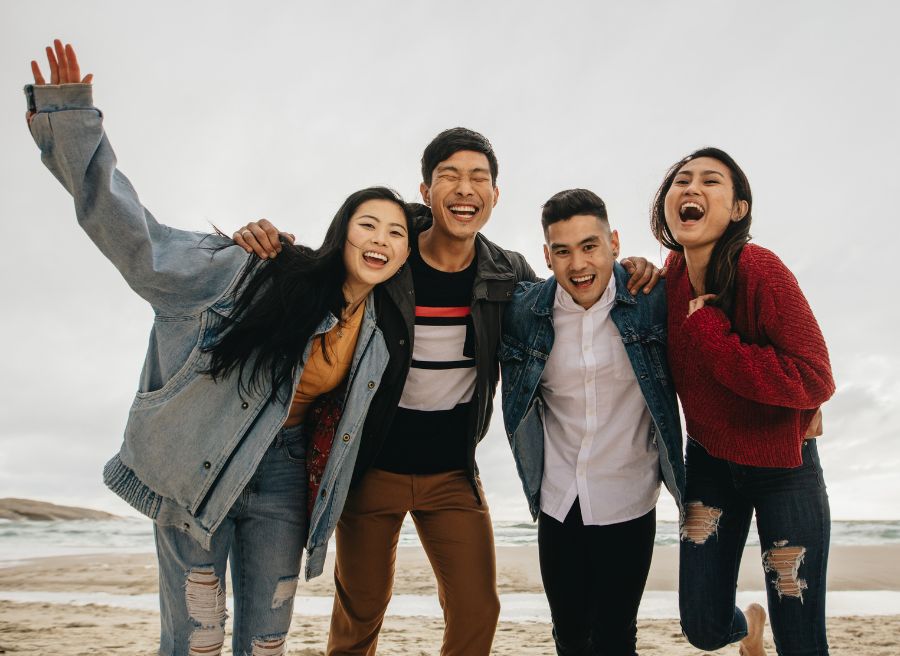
x: 207, y: 464
x: 323, y: 493
x: 346, y: 437
x: 371, y: 384
x: 186, y: 526
x: 245, y: 405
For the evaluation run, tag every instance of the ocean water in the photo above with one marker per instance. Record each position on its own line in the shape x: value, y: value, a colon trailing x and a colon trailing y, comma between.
x: 20, y: 540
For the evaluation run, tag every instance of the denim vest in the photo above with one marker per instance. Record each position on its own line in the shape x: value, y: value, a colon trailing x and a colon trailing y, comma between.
x: 525, y: 346
x: 191, y: 445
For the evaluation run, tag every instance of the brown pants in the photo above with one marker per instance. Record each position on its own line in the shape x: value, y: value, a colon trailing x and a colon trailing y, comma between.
x: 458, y: 539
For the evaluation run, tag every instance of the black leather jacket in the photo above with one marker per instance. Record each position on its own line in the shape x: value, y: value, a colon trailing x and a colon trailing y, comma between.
x: 496, y: 275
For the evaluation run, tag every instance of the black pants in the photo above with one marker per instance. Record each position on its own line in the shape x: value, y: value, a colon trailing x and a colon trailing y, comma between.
x: 594, y: 577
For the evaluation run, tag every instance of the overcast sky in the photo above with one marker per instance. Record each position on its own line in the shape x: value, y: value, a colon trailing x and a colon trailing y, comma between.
x: 221, y: 115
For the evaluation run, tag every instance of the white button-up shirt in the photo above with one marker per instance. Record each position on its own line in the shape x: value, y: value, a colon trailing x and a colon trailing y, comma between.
x: 597, y: 445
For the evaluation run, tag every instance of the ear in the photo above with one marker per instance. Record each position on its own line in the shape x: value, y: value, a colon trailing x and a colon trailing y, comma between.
x: 740, y: 210
x: 614, y: 242
x: 425, y: 190
x: 496, y: 196
x: 547, y: 256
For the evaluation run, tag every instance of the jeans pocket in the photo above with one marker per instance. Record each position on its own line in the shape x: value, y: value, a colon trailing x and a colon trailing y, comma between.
x: 293, y: 445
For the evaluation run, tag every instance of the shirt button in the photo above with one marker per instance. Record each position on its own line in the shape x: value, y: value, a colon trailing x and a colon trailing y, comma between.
x: 346, y: 437
x: 207, y: 464
x: 371, y: 384
x: 245, y: 405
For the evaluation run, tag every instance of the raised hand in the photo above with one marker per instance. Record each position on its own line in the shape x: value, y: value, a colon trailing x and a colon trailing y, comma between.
x: 262, y: 238
x: 64, y: 67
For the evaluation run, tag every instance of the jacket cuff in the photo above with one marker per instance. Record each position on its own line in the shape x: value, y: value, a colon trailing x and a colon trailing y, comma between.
x: 57, y: 97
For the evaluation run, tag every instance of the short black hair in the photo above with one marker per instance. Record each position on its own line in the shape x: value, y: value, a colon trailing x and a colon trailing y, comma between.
x: 452, y: 141
x: 571, y: 202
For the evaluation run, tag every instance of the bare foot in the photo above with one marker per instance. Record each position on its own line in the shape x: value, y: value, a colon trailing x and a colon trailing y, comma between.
x: 752, y: 645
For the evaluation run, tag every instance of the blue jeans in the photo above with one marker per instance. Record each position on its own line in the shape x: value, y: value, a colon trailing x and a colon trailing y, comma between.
x: 794, y: 525
x: 263, y: 536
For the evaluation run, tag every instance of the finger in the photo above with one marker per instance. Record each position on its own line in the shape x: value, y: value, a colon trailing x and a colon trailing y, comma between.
x: 54, y: 67
x: 641, y: 277
x: 663, y: 272
x: 290, y: 237
x: 36, y: 71
x: 267, y: 236
x: 61, y: 60
x: 272, y: 233
x: 628, y: 264
x: 72, y: 64
x: 88, y: 79
x: 28, y: 118
x: 238, y: 239
x: 654, y: 278
x: 250, y: 238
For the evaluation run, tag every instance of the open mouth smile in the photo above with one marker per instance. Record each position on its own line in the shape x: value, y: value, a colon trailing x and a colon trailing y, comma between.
x: 463, y: 211
x: 582, y: 282
x: 375, y: 259
x: 691, y: 211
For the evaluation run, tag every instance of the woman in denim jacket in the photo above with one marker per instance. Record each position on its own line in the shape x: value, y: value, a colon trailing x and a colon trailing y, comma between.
x: 751, y: 369
x: 214, y: 447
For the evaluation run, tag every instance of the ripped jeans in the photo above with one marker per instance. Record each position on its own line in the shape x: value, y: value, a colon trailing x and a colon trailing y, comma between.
x: 794, y: 526
x: 263, y: 538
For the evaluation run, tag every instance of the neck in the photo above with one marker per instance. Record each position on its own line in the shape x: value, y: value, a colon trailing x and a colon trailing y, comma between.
x: 355, y: 294
x: 697, y: 260
x: 445, y: 253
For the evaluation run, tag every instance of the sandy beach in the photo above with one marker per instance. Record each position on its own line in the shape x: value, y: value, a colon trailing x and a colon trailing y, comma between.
x: 65, y: 629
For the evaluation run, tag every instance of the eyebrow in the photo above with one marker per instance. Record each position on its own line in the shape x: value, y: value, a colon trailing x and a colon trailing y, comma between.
x: 708, y: 172
x: 586, y: 240
x: 449, y: 167
x: 375, y: 218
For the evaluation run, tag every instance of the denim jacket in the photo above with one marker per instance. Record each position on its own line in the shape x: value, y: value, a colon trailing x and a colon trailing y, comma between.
x: 191, y: 445
x: 525, y: 346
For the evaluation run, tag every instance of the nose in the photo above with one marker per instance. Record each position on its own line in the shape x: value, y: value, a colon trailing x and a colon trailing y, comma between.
x: 578, y: 260
x: 693, y: 187
x: 464, y: 187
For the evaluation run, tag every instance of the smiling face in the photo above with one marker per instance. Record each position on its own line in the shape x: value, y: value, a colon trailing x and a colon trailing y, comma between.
x: 377, y: 244
x: 700, y: 203
x: 581, y: 250
x: 461, y: 195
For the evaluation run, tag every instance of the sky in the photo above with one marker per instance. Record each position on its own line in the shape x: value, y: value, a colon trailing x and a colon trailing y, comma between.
x: 221, y: 113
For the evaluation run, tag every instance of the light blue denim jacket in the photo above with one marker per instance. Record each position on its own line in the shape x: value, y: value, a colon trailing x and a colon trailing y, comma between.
x: 526, y: 340
x: 190, y: 445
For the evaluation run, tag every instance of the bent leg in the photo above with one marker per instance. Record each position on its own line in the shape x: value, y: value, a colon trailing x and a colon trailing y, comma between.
x: 794, y: 524
x: 366, y: 540
x: 458, y: 538
x: 713, y: 534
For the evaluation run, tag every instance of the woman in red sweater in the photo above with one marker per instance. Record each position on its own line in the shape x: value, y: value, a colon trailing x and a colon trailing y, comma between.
x: 751, y: 369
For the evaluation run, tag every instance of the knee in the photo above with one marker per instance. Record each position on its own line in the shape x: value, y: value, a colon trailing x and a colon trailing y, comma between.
x: 483, y: 609
x: 704, y: 632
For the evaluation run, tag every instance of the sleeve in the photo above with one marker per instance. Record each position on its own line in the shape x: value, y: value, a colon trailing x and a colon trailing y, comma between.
x: 792, y: 370
x: 524, y: 271
x: 176, y: 271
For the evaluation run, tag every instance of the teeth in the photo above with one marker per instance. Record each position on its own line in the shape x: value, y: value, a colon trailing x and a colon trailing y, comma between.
x: 466, y: 209
x: 377, y: 256
x: 692, y: 211
x: 582, y: 278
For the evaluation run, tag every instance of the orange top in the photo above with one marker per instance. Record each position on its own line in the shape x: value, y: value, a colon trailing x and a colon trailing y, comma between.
x: 320, y: 376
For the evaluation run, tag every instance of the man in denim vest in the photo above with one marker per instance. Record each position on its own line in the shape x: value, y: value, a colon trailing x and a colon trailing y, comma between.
x: 591, y: 415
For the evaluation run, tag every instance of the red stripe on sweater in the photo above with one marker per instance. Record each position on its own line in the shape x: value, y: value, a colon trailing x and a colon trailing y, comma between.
x: 425, y: 311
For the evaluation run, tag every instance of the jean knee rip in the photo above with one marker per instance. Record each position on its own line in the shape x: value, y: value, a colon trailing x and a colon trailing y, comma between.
x: 205, y: 600
x: 700, y: 522
x: 269, y: 645
x: 284, y: 591
x: 785, y: 561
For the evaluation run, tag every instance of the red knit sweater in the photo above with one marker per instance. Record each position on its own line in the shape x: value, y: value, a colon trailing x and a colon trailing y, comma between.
x: 749, y: 388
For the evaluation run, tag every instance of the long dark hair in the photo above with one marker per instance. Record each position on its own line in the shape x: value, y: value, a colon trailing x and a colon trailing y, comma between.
x: 279, y: 303
x: 721, y: 271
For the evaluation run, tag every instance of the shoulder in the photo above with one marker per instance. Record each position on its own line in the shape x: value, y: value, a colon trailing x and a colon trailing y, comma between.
x: 502, y: 260
x: 760, y: 267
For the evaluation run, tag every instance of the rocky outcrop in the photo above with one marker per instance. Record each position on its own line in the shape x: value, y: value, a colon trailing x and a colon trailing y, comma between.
x: 29, y: 509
